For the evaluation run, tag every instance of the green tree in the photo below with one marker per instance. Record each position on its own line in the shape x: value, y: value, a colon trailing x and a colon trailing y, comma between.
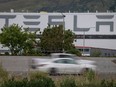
x: 68, y: 39
x: 55, y: 39
x: 17, y: 39
x: 29, y: 44
x: 52, y: 39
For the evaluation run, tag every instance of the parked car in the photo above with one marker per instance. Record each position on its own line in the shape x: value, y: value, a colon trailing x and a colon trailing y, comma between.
x: 65, y: 66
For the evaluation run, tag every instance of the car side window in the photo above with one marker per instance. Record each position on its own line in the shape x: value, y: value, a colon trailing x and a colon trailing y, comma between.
x: 70, y: 61
x: 65, y: 61
x: 58, y: 61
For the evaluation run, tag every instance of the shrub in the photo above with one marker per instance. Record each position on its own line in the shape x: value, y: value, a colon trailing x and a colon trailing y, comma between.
x: 90, y: 75
x: 41, y: 82
x: 3, y: 73
x: 96, y: 54
x: 68, y: 82
x: 39, y: 79
x: 36, y: 75
x: 74, y: 51
x: 105, y: 83
x: 15, y: 83
x: 6, y: 53
x: 38, y: 82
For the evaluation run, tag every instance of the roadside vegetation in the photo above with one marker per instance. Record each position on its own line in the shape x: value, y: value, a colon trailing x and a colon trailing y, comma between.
x: 3, y: 74
x: 39, y: 79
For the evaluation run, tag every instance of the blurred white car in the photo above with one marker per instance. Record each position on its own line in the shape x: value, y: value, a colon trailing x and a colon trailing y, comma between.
x: 64, y: 66
x: 35, y: 62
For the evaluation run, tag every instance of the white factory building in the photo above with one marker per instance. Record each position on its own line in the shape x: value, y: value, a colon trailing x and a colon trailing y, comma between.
x: 94, y: 31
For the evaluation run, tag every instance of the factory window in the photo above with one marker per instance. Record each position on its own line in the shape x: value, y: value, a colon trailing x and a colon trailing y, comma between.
x: 95, y: 37
x: 85, y: 49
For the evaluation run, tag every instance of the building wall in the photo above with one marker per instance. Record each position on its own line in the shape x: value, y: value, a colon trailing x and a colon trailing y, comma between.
x: 79, y: 23
x: 102, y: 52
x: 98, y: 43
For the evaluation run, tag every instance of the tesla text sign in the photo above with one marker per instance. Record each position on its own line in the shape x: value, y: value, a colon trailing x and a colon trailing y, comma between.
x: 75, y: 22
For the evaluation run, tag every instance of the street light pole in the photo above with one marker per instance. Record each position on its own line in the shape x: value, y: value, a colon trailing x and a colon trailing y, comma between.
x: 63, y: 29
x: 83, y: 43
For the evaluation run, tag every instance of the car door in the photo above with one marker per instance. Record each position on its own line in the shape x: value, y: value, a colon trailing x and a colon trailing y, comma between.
x: 61, y: 66
x: 68, y: 66
x: 72, y: 67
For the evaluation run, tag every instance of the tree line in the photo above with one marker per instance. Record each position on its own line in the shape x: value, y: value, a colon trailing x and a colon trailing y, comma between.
x: 20, y: 41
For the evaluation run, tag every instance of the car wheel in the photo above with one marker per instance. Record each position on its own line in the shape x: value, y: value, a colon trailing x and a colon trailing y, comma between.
x: 84, y: 71
x: 53, y: 71
x: 33, y: 67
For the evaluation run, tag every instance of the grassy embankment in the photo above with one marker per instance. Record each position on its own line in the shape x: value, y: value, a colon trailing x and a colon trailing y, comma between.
x: 37, y: 79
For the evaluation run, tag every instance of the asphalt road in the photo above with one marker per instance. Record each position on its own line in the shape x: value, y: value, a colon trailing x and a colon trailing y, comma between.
x: 20, y: 64
x: 105, y: 65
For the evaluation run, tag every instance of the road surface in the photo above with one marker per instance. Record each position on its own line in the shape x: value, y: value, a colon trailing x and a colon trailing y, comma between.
x: 20, y: 64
